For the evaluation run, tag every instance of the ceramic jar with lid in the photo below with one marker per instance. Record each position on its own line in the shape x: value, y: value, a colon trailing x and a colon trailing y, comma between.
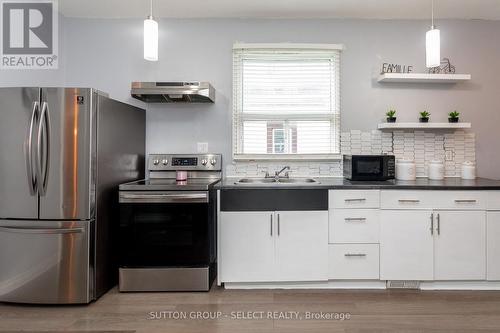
x: 406, y: 169
x: 436, y: 170
x: 468, y: 170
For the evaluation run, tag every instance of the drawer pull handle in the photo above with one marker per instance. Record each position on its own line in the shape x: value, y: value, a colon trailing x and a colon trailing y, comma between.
x: 357, y: 219
x: 353, y: 200
x: 409, y: 200
x: 465, y: 201
x: 355, y: 255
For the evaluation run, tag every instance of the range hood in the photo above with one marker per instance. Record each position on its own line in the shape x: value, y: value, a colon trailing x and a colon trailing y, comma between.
x: 173, y: 92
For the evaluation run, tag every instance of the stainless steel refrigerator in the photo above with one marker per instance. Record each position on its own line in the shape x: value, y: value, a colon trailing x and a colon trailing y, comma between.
x: 63, y: 153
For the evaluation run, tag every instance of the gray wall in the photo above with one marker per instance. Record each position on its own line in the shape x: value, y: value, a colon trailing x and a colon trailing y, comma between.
x: 107, y: 54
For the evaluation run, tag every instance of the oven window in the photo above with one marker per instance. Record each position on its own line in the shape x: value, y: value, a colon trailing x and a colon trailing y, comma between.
x: 164, y: 234
x: 369, y: 166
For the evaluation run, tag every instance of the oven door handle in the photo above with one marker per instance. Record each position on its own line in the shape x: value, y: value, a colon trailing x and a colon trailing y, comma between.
x: 163, y: 197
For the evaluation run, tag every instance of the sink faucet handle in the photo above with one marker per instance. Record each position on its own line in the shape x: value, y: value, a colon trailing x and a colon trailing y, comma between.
x: 277, y: 173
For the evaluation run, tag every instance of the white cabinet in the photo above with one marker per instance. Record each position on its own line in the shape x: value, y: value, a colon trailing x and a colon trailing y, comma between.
x: 410, y: 199
x: 302, y: 245
x: 406, y: 245
x: 274, y: 246
x: 433, y: 245
x: 354, y: 226
x: 353, y: 262
x: 460, y: 245
x: 354, y: 198
x: 493, y: 247
x: 247, y: 246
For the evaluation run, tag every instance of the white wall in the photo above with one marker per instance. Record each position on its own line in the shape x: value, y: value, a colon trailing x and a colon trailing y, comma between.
x: 107, y: 54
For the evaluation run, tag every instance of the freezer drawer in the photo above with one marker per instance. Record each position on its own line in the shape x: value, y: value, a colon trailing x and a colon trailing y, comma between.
x: 44, y: 262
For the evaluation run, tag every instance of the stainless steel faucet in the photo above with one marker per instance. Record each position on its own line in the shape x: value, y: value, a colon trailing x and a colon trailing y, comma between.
x: 278, y: 173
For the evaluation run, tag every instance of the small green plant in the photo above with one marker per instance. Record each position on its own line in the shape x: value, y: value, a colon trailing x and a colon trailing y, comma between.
x: 424, y: 114
x: 391, y: 113
x: 453, y: 117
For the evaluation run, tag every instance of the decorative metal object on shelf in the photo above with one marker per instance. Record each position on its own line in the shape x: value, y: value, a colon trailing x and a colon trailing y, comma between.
x: 395, y: 68
x: 445, y: 68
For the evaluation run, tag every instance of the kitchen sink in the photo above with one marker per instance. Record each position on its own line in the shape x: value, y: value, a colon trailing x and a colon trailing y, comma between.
x: 275, y: 181
x: 255, y: 180
x: 297, y: 180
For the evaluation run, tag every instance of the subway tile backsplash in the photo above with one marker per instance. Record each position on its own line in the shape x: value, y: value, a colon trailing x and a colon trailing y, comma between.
x: 422, y: 146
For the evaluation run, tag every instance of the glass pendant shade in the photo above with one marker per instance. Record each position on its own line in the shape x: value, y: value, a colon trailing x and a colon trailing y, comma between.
x: 150, y: 39
x: 432, y: 48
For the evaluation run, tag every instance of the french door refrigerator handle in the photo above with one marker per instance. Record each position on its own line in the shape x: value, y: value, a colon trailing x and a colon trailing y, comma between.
x: 43, y: 139
x: 32, y: 179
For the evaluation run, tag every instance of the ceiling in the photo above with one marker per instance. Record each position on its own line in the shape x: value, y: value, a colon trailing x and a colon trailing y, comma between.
x: 365, y: 9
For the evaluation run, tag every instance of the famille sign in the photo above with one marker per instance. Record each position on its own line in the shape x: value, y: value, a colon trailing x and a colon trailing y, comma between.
x: 396, y: 68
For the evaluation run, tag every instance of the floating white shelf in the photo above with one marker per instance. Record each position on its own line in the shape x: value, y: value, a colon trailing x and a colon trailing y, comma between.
x: 395, y: 126
x: 423, y: 78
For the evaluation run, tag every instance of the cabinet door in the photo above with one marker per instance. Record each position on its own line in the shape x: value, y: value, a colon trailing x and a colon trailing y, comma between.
x: 460, y: 245
x: 493, y: 241
x: 406, y: 245
x: 247, y: 246
x: 302, y: 245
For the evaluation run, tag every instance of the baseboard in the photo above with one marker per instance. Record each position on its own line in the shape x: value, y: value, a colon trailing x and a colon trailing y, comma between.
x: 364, y: 284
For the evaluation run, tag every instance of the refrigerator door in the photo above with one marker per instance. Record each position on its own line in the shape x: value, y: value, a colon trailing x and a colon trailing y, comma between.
x: 19, y: 110
x: 44, y: 262
x: 66, y: 144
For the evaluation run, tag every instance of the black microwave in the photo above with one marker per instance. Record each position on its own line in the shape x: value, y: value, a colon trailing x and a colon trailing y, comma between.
x: 369, y: 167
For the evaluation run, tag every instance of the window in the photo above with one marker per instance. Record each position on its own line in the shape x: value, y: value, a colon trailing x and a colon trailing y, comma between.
x: 286, y: 101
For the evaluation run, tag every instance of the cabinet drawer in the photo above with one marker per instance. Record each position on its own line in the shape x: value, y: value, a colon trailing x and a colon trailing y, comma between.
x: 462, y: 200
x: 493, y: 200
x: 354, y: 198
x: 353, y: 262
x: 354, y: 226
x: 406, y: 200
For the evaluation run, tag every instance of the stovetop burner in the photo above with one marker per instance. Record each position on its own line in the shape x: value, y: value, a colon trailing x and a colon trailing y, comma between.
x: 203, y: 171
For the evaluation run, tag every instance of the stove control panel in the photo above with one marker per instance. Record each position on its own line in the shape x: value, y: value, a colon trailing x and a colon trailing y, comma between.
x: 195, y: 162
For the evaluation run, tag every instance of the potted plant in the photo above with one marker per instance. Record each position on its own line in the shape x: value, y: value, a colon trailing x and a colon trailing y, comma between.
x: 391, y: 116
x: 424, y: 117
x: 453, y: 117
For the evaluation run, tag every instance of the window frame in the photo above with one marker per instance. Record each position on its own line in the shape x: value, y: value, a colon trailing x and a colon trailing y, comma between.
x: 238, y: 118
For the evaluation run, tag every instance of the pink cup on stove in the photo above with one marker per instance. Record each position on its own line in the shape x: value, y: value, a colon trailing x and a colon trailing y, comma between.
x: 181, y: 176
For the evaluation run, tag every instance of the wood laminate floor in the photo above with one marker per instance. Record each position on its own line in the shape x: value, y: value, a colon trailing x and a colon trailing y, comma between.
x: 368, y: 311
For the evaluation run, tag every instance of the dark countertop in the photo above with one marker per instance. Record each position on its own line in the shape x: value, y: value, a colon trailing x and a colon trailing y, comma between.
x: 340, y: 183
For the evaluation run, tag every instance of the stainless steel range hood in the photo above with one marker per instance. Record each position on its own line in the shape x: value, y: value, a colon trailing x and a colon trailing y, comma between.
x: 173, y: 92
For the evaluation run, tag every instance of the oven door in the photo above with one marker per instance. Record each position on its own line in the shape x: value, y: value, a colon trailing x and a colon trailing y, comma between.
x: 367, y: 168
x: 165, y: 229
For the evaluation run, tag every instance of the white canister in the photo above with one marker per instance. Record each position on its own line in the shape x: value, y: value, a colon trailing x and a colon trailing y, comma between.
x: 406, y: 169
x: 468, y: 170
x: 436, y: 170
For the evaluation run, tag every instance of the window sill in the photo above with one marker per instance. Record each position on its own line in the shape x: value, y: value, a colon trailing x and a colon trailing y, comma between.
x: 287, y: 157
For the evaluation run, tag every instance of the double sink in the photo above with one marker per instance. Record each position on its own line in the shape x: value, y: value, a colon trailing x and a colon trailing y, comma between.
x: 277, y: 181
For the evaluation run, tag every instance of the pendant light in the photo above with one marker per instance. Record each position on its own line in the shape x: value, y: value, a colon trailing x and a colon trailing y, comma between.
x: 432, y: 44
x: 151, y: 36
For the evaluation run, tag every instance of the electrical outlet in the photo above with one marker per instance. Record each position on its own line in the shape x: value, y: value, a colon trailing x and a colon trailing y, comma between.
x: 449, y: 155
x: 202, y: 147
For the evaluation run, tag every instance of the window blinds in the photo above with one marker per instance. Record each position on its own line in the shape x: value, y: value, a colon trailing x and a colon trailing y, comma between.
x: 296, y: 90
